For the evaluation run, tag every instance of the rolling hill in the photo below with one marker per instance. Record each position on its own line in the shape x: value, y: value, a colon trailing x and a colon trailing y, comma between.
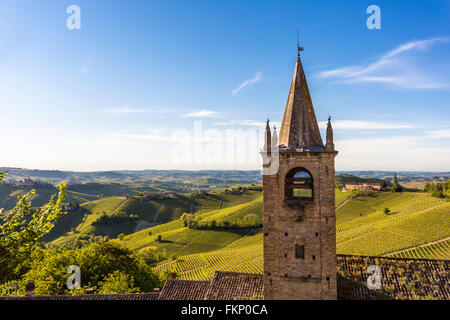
x: 227, y: 235
x: 181, y: 181
x: 418, y: 225
x: 119, y: 215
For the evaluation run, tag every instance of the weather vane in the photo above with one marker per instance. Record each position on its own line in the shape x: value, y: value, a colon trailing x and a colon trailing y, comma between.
x: 298, y: 47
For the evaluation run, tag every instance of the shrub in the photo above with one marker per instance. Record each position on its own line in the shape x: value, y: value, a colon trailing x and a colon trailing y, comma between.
x: 96, y: 262
x: 117, y: 282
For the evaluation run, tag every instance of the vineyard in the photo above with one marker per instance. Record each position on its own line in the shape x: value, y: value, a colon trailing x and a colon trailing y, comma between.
x: 202, y: 266
x: 417, y: 226
x: 162, y: 213
x: 437, y: 250
x: 179, y: 240
x: 415, y: 222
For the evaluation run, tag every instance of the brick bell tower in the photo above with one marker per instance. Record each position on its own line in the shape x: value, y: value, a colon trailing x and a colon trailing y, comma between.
x: 299, y: 204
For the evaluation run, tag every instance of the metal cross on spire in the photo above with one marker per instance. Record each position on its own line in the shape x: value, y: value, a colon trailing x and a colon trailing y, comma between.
x: 298, y: 47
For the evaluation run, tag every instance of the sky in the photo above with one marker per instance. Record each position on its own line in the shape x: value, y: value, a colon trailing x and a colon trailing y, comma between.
x: 190, y: 84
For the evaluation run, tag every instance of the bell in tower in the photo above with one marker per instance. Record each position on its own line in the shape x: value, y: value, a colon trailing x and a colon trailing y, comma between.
x: 299, y: 205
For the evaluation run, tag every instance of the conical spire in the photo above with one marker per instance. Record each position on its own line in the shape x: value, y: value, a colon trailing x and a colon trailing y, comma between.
x: 299, y: 127
x: 330, y: 144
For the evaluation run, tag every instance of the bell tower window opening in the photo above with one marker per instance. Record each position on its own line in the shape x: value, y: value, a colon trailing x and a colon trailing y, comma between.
x: 299, y: 185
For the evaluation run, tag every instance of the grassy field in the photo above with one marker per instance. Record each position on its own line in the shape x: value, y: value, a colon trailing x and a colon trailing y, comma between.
x: 178, y: 240
x: 418, y: 226
x: 82, y: 222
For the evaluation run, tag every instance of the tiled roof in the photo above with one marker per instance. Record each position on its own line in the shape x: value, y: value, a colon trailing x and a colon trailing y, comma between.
x: 97, y: 297
x: 236, y: 286
x: 299, y: 127
x: 184, y: 290
x: 400, y: 278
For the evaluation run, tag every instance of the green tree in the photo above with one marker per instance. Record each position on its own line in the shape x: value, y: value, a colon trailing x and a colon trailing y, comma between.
x: 117, y: 282
x: 153, y: 256
x: 396, y: 187
x: 22, y: 229
x: 96, y: 262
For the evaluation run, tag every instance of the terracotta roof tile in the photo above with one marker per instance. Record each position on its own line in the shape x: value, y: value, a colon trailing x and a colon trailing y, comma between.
x: 400, y: 278
x: 236, y: 286
x: 98, y: 297
x: 184, y: 290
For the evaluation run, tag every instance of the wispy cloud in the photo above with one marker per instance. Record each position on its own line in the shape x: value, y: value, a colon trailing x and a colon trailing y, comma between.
x: 249, y: 123
x: 201, y: 114
x: 365, y: 125
x: 393, y: 68
x: 439, y: 134
x: 246, y: 123
x: 125, y: 110
x: 154, y: 134
x: 248, y: 82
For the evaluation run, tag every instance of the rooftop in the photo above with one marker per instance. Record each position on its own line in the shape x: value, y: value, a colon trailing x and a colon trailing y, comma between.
x: 400, y: 278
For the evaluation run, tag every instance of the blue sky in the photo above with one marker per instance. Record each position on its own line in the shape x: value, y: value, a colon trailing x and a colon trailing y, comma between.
x: 161, y: 84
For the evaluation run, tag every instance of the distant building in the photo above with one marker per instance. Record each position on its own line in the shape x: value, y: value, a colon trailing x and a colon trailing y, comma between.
x: 370, y: 186
x: 147, y: 196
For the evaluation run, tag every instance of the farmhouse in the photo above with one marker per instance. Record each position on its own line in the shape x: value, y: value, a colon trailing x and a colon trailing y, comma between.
x: 370, y: 186
x: 147, y: 196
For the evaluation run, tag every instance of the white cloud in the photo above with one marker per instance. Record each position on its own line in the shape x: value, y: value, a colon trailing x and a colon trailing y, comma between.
x: 393, y: 68
x: 248, y: 82
x: 201, y: 114
x: 391, y: 153
x: 125, y: 110
x: 154, y: 134
x: 247, y: 123
x: 142, y: 137
x: 364, y: 125
x: 439, y: 134
x: 250, y: 123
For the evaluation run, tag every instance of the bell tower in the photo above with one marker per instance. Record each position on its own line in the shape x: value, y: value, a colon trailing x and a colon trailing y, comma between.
x: 299, y: 203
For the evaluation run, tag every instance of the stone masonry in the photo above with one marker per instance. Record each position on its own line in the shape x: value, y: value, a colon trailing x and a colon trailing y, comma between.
x: 287, y: 222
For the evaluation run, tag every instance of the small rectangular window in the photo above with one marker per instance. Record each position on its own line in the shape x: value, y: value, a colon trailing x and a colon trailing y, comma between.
x: 299, y: 251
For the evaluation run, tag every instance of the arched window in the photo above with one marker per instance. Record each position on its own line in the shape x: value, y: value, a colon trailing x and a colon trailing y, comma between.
x: 299, y: 185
